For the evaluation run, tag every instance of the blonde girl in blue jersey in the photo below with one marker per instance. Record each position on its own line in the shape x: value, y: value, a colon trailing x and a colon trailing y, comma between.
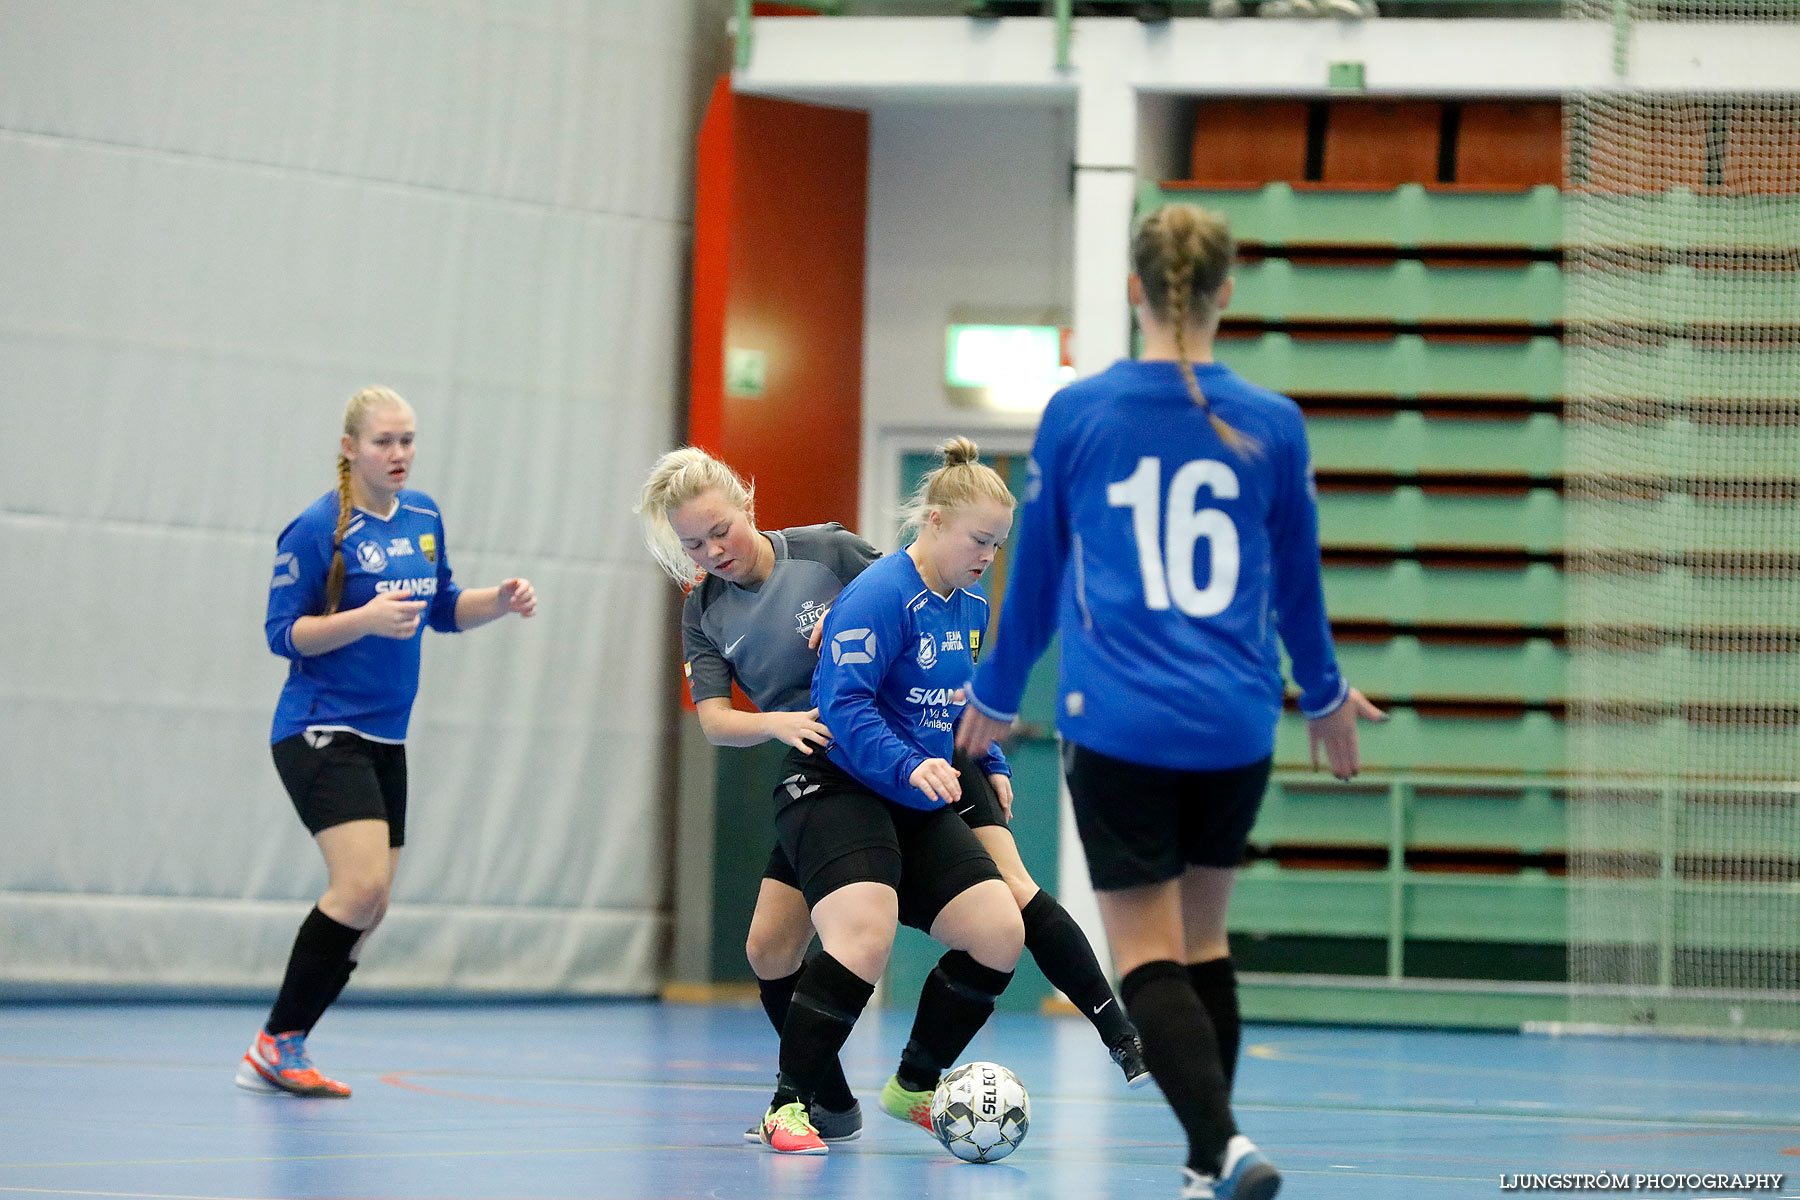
x: 754, y: 619
x: 356, y: 577
x: 1170, y: 536
x: 868, y: 824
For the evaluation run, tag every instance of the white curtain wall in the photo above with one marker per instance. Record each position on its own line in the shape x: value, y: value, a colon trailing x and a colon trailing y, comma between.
x: 218, y: 218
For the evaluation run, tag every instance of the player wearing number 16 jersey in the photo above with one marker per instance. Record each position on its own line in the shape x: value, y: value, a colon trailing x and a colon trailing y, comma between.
x: 1170, y: 535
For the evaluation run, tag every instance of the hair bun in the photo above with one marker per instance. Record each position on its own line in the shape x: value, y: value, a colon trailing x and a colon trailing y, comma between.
x: 958, y: 451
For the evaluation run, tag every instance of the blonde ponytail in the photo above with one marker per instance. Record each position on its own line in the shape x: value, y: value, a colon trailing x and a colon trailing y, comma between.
x: 356, y: 415
x: 1182, y: 255
x: 959, y: 481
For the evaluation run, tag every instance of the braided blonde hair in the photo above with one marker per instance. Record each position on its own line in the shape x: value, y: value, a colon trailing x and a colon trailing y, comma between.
x: 1182, y: 255
x: 356, y: 415
x: 680, y: 476
x: 958, y: 482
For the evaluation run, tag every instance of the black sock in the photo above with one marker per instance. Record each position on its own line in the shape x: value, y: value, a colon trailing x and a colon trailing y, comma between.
x: 1215, y: 981
x: 1183, y: 1056
x: 1067, y: 960
x: 337, y: 988
x: 827, y: 1000
x: 954, y: 1004
x: 777, y: 995
x: 315, y: 973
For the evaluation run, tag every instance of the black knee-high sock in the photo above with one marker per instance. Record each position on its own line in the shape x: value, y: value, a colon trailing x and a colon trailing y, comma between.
x: 315, y: 973
x: 957, y: 999
x: 337, y: 988
x: 777, y: 995
x: 827, y: 1000
x: 1183, y: 1057
x: 1067, y: 960
x: 1215, y: 982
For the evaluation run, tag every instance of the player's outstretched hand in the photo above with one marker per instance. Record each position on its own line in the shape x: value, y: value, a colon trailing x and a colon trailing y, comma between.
x: 516, y: 595
x: 798, y: 729
x: 976, y: 731
x: 1336, y: 732
x: 938, y: 780
x: 392, y: 615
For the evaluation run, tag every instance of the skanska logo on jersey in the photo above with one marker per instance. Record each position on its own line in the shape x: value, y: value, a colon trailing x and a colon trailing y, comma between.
x: 420, y: 588
x: 853, y: 646
x: 937, y: 707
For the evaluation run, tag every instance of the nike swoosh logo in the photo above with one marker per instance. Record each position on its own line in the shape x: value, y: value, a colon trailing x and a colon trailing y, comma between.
x: 1102, y: 1004
x: 735, y: 645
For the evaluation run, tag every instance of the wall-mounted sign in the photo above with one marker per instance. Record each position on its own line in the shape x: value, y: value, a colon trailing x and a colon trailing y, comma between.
x: 746, y: 372
x: 1005, y: 366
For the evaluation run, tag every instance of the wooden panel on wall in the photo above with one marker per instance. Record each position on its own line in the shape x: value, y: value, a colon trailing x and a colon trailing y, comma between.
x: 1509, y: 144
x: 1378, y: 143
x: 1250, y: 142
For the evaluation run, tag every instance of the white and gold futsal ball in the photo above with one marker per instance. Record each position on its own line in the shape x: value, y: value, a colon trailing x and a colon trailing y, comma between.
x: 980, y: 1112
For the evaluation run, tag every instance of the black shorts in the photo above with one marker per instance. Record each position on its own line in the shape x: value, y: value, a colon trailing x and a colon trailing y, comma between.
x: 1141, y: 824
x: 836, y: 832
x: 780, y: 869
x: 979, y: 805
x: 333, y: 777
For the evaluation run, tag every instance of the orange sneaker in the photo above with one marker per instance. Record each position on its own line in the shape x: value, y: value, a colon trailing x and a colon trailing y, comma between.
x: 278, y: 1063
x: 788, y: 1130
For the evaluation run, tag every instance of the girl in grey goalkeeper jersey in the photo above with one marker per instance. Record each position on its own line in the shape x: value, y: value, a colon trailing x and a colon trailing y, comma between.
x: 753, y: 617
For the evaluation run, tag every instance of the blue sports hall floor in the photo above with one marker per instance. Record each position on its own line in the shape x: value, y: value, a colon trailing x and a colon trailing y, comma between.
x: 649, y: 1101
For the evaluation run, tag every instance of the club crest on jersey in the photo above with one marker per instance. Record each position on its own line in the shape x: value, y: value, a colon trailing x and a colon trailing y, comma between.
x: 810, y: 614
x: 927, y: 651
x: 974, y: 645
x: 428, y: 546
x: 371, y: 557
x: 853, y: 646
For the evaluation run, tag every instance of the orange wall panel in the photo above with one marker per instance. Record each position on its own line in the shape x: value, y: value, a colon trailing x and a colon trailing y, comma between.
x: 779, y: 230
x: 1250, y: 142
x: 1376, y: 143
x: 1509, y: 145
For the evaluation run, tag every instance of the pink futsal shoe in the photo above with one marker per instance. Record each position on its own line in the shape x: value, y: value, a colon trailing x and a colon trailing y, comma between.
x: 788, y: 1130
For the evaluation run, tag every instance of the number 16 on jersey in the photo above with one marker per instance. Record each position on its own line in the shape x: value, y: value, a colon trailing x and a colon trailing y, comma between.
x: 1167, y: 536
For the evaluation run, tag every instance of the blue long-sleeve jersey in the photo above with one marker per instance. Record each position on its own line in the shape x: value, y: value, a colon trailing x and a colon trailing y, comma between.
x: 368, y: 686
x: 1170, y: 563
x: 889, y: 684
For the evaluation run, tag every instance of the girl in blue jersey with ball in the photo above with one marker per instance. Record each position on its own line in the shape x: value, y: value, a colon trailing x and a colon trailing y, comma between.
x: 356, y: 576
x: 869, y: 826
x: 755, y: 619
x: 1170, y: 535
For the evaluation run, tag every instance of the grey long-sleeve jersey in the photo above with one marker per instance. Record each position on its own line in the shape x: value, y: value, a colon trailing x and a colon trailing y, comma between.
x: 757, y: 636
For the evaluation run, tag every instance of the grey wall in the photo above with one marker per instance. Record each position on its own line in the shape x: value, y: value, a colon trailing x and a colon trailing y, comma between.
x: 218, y: 218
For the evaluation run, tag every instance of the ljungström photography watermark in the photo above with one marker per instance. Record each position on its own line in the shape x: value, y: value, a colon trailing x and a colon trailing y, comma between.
x: 1716, y: 1185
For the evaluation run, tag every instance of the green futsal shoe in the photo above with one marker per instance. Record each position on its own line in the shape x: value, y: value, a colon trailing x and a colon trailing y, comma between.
x: 903, y: 1105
